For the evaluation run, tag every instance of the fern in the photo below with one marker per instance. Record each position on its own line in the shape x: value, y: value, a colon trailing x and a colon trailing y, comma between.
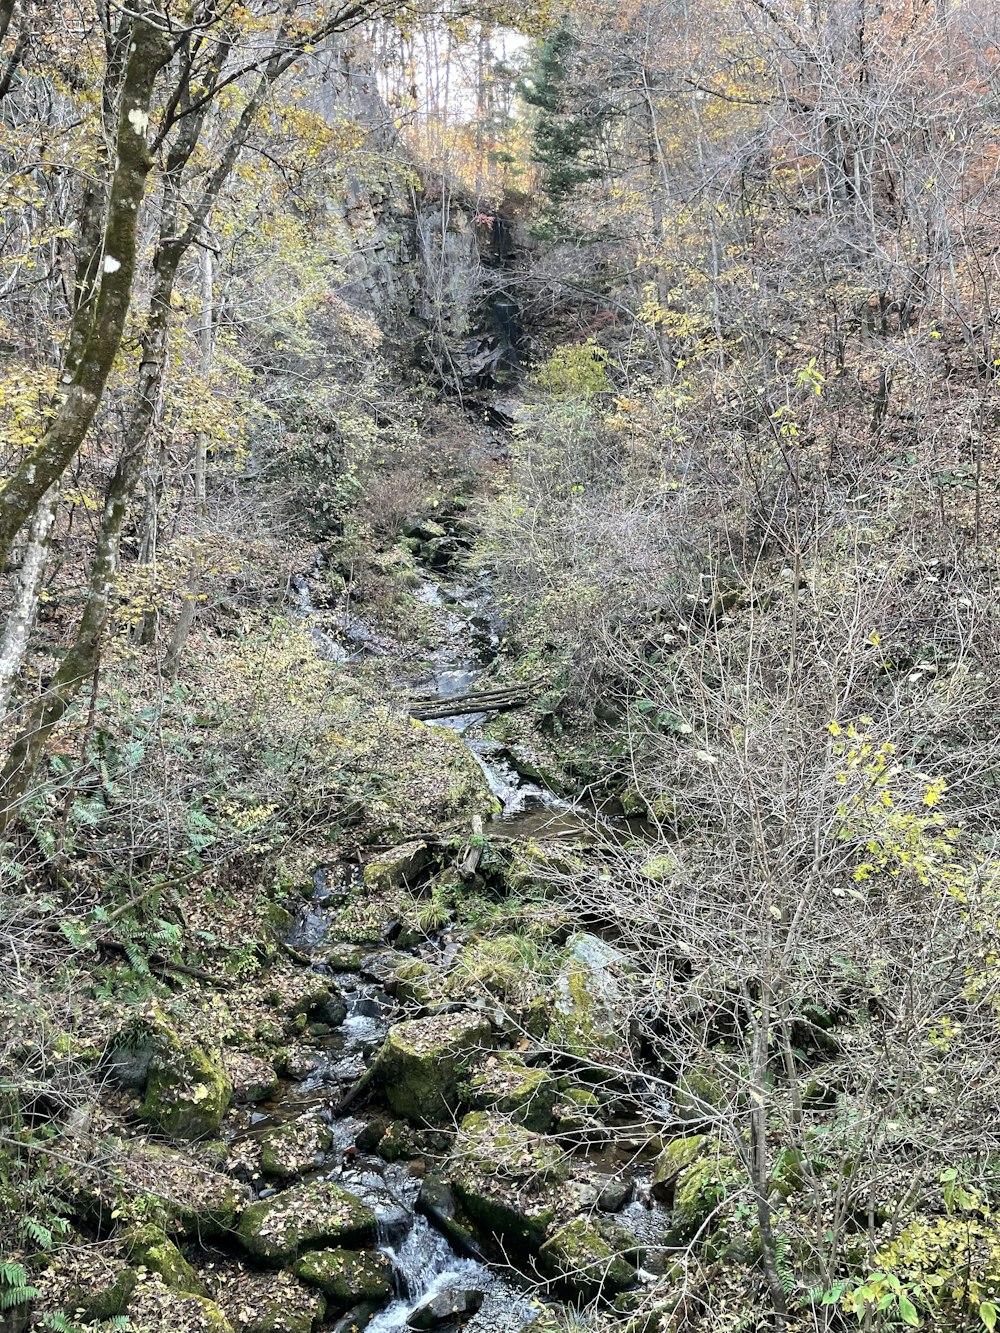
x: 783, y: 1264
x: 15, y: 1286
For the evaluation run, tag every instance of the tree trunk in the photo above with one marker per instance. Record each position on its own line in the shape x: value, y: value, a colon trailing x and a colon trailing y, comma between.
x: 105, y: 315
x: 22, y: 614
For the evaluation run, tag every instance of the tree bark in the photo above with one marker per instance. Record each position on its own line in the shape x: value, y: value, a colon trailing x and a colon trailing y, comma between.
x: 22, y: 614
x: 104, y: 317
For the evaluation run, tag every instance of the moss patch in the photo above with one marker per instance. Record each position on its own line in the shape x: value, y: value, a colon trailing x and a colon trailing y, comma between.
x: 304, y: 1217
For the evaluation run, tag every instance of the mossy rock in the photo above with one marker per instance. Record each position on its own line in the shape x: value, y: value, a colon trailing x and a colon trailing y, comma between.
x: 590, y: 1008
x: 305, y: 1217
x: 423, y: 1061
x: 700, y: 1189
x: 585, y: 1262
x: 151, y: 1249
x: 288, y: 1150
x: 252, y: 1076
x: 507, y: 1177
x: 345, y: 1277
x: 417, y: 983
x: 399, y: 868
x: 698, y: 1094
x: 399, y: 1143
x: 106, y: 1296
x: 787, y: 1173
x: 298, y: 1310
x: 187, y: 1089
x: 157, y: 1308
x: 508, y: 1085
x: 535, y: 864
x: 345, y: 957
x: 675, y: 1158
x: 145, y: 1181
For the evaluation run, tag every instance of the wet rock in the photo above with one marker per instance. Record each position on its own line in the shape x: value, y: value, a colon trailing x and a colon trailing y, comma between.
x: 399, y: 868
x: 505, y: 1176
x: 356, y: 1319
x: 151, y: 1249
x: 383, y: 966
x: 292, y: 1148
x: 445, y: 1307
x: 345, y: 1277
x: 585, y: 1262
x: 437, y: 1202
x: 676, y: 1157
x: 590, y: 1017
x: 187, y: 1089
x: 422, y: 1062
x: 508, y: 1085
x: 399, y: 1142
x: 305, y: 1217
x: 345, y: 957
x: 615, y: 1195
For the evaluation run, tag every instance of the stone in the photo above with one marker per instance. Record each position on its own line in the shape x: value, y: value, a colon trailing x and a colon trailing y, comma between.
x: 700, y: 1189
x: 416, y: 982
x: 423, y: 1061
x: 151, y: 1181
x: 106, y: 1295
x: 151, y: 1249
x: 288, y: 1150
x: 506, y: 1176
x: 345, y: 957
x: 253, y: 1078
x: 345, y: 1277
x: 698, y: 1094
x: 305, y: 1217
x: 399, y: 868
x: 507, y: 1084
x: 590, y: 1010
x: 299, y: 1310
x: 675, y: 1158
x: 615, y: 1194
x: 157, y: 1308
x: 445, y: 1307
x: 585, y: 1262
x: 187, y: 1089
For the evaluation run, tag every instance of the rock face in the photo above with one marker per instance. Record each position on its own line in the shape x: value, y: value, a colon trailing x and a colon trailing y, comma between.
x: 508, y: 1085
x: 187, y: 1089
x: 590, y: 1016
x: 345, y: 1277
x: 675, y: 1158
x: 423, y: 1061
x: 305, y: 1217
x: 585, y: 1262
x: 504, y: 1176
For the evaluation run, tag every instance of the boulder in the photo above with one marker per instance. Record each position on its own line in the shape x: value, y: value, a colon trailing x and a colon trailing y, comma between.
x: 157, y: 1308
x: 445, y: 1307
x: 698, y: 1193
x: 399, y: 868
x: 507, y: 1177
x: 507, y: 1084
x: 676, y: 1157
x: 296, y: 1310
x: 585, y: 1262
x: 187, y: 1089
x: 422, y: 1062
x: 305, y: 1217
x: 253, y: 1078
x: 590, y: 1011
x: 290, y: 1149
x: 149, y: 1181
x: 150, y: 1248
x: 345, y: 1277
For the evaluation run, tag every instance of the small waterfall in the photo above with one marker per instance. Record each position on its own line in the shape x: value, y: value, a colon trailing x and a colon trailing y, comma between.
x: 425, y: 1265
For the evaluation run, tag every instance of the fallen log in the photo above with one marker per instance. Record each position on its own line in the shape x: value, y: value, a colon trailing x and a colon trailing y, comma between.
x: 473, y: 701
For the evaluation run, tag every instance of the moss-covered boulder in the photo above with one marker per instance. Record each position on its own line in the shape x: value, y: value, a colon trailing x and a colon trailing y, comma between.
x: 287, y: 1150
x: 157, y: 1308
x: 399, y: 868
x: 584, y: 1262
x: 698, y: 1094
x: 253, y: 1078
x: 103, y: 1294
x: 305, y: 1217
x: 150, y: 1182
x: 676, y: 1157
x: 506, y: 1177
x: 347, y: 1277
x: 578, y: 1113
x: 187, y: 1089
x: 504, y: 1083
x: 300, y: 1311
x: 149, y: 1248
x: 416, y: 982
x: 700, y: 1191
x: 423, y: 1062
x: 591, y: 1010
x: 535, y: 864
